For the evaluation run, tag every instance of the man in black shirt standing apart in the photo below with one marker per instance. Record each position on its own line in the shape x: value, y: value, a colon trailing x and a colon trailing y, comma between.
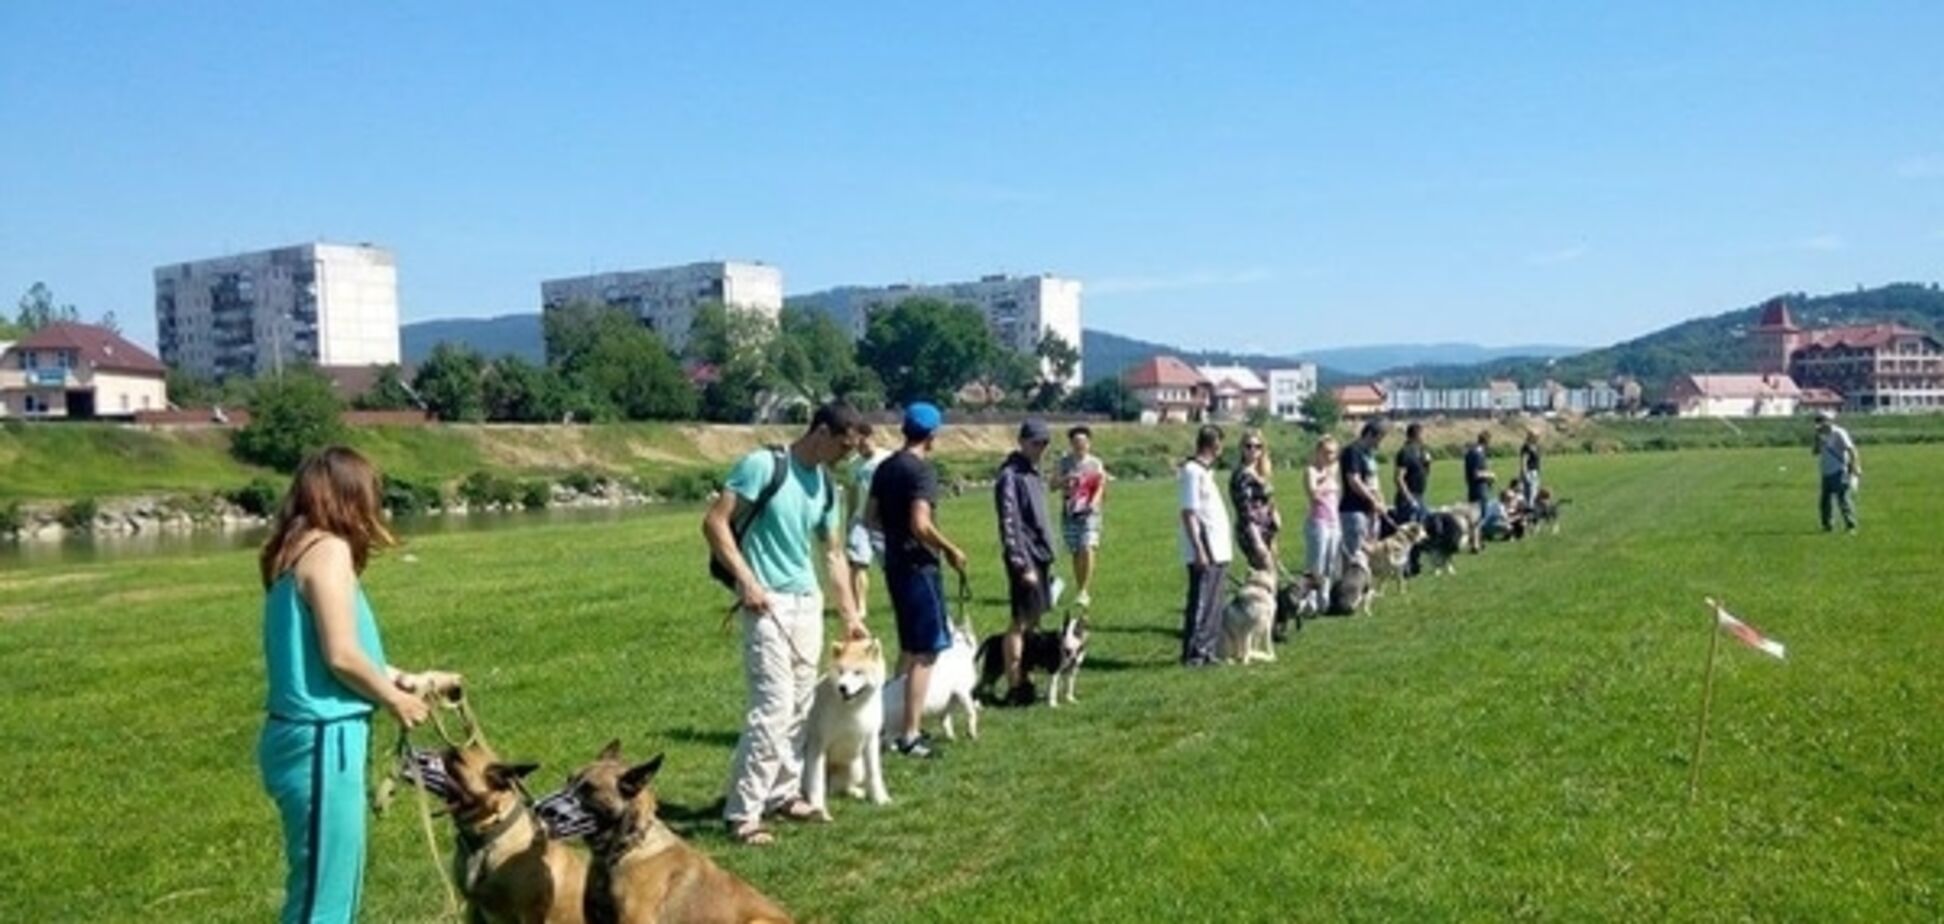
x: 1413, y: 476
x: 1529, y: 468
x: 904, y: 495
x: 1478, y: 472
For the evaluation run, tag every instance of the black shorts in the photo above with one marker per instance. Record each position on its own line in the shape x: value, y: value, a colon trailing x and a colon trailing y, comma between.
x: 1030, y: 601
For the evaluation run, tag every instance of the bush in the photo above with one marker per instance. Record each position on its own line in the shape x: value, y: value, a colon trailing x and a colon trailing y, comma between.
x: 259, y: 498
x: 689, y: 486
x: 481, y: 489
x: 13, y: 519
x: 582, y: 482
x: 290, y: 417
x: 406, y: 498
x: 536, y: 495
x: 80, y: 515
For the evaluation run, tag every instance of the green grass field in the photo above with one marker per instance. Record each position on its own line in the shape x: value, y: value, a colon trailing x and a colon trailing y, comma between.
x: 1508, y: 742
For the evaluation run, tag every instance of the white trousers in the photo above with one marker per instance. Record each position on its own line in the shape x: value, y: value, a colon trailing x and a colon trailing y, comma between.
x: 767, y: 770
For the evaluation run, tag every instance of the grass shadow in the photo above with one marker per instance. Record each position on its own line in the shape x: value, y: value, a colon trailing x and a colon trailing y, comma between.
x: 721, y: 738
x: 691, y: 820
x: 1115, y: 665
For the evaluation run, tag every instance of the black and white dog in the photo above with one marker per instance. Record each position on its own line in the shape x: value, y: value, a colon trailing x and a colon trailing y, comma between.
x: 1446, y: 533
x: 1057, y: 653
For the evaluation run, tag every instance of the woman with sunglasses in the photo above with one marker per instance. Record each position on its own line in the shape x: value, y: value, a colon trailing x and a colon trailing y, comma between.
x: 1253, y: 494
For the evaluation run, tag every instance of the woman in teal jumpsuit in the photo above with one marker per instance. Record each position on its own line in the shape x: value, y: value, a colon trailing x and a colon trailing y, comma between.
x: 327, y: 672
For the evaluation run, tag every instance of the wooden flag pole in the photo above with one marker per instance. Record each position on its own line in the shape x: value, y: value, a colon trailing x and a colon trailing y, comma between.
x: 1707, y: 700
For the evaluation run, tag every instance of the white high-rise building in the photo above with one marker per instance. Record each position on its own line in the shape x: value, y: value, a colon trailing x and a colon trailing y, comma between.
x: 665, y: 300
x: 1289, y: 387
x: 320, y: 304
x: 1020, y: 309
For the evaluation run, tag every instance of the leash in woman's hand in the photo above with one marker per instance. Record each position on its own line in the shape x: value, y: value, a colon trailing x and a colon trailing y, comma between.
x: 406, y: 768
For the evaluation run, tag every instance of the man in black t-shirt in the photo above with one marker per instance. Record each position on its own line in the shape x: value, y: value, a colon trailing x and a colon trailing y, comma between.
x: 1478, y: 471
x: 1413, y: 476
x: 904, y: 495
x: 1529, y: 468
x: 1363, y: 501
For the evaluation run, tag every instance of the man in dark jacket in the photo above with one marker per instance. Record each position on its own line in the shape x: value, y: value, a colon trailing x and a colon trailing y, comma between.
x: 1026, y: 541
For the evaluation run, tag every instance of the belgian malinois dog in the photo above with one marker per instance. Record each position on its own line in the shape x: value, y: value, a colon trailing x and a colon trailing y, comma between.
x: 643, y: 873
x: 510, y: 871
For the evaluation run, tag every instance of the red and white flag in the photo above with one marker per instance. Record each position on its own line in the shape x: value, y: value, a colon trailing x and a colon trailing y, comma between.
x: 1746, y: 633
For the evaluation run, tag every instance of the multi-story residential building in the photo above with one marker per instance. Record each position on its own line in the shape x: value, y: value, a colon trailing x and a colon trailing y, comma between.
x: 1234, y: 391
x: 1874, y: 367
x: 1168, y: 389
x: 665, y: 300
x: 1288, y: 388
x: 1021, y: 310
x: 79, y: 371
x: 317, y: 304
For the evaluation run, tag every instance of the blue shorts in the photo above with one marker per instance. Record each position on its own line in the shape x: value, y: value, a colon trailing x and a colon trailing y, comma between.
x: 918, y: 599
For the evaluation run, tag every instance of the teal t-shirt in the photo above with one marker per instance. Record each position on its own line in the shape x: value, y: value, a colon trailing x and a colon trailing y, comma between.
x: 780, y: 543
x: 302, y: 686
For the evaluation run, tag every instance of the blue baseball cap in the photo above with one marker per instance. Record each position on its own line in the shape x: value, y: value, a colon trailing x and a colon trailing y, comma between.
x: 922, y: 419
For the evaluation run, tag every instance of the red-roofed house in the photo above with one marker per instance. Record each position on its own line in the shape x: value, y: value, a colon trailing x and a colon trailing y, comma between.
x: 1168, y: 389
x: 82, y: 371
x: 1734, y: 395
x: 1359, y: 400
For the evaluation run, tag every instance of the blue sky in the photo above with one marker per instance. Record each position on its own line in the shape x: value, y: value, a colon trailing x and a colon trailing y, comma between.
x: 1269, y: 176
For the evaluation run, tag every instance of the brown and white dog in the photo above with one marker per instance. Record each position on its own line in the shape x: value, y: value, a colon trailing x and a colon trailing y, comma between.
x: 840, y: 748
x: 1390, y: 557
x: 643, y: 873
x: 510, y: 871
x: 1249, y: 619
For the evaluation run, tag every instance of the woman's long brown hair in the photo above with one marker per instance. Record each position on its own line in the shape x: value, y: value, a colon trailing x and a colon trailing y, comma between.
x: 335, y: 491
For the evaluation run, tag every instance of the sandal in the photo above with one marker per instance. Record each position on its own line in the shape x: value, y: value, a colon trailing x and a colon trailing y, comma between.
x: 797, y: 810
x: 751, y: 834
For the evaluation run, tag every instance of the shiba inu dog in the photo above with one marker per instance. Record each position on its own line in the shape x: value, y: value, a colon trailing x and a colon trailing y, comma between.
x: 846, y: 720
x: 642, y: 872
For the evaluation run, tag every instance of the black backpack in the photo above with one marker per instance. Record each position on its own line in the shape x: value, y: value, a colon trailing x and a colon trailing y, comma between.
x: 779, y: 470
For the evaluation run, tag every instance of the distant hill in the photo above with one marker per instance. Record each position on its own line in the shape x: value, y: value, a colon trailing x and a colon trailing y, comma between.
x: 518, y: 334
x: 1711, y: 344
x: 1369, y: 360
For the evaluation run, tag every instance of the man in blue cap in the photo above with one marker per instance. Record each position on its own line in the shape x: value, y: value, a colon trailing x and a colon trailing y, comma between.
x: 904, y: 496
x: 1026, y: 542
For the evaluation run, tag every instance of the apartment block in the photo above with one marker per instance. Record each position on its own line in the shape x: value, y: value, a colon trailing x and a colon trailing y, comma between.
x: 318, y: 304
x: 665, y: 300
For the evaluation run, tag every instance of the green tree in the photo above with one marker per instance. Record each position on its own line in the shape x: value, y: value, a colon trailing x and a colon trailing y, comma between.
x: 37, y: 309
x: 291, y: 416
x: 1109, y: 396
x: 735, y: 343
x: 388, y: 392
x: 1059, y: 359
x: 450, y: 383
x: 615, y: 368
x: 813, y: 359
x: 519, y: 391
x: 1321, y: 411
x: 187, y: 389
x: 925, y: 349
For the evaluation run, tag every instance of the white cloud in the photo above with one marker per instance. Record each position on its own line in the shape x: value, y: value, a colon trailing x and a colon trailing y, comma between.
x: 1556, y: 257
x: 1822, y: 243
x: 1198, y: 279
x: 1924, y: 167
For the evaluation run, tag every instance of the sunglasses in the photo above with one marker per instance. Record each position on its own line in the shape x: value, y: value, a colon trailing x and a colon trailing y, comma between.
x: 1251, y: 445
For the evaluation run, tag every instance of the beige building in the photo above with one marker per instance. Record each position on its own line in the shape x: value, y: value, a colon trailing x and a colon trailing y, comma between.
x: 1768, y: 394
x: 311, y: 304
x: 665, y: 300
x: 80, y: 371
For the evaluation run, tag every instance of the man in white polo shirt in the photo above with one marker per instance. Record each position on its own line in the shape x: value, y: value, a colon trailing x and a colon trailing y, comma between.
x: 1205, y: 547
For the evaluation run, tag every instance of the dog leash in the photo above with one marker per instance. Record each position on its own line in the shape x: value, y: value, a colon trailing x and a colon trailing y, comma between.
x: 407, y: 768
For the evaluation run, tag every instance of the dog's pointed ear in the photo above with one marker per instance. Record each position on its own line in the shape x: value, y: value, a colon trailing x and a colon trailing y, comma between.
x: 639, y: 775
x: 505, y: 775
x: 874, y: 647
x: 611, y: 752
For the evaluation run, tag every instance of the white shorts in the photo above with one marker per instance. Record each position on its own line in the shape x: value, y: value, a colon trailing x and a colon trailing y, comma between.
x: 863, y: 545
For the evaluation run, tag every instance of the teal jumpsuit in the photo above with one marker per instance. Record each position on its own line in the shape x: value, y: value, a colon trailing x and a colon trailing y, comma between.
x: 312, y: 755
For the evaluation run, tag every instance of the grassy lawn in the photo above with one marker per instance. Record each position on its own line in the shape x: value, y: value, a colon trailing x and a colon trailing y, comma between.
x: 1508, y: 742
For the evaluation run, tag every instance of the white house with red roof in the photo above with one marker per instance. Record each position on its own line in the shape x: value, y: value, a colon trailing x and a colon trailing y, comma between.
x: 1741, y: 394
x: 1169, y: 390
x: 80, y: 371
x: 1234, y: 391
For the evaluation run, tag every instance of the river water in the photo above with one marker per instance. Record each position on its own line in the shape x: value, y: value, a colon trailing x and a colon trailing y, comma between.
x: 86, y: 549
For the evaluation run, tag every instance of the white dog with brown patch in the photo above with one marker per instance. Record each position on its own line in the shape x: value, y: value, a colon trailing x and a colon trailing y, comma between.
x: 846, y: 718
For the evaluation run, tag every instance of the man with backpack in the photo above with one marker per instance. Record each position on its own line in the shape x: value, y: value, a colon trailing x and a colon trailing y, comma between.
x: 776, y: 505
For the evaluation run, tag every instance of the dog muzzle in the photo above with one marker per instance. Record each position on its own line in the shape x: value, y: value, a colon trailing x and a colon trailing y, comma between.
x: 563, y: 816
x: 427, y: 770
